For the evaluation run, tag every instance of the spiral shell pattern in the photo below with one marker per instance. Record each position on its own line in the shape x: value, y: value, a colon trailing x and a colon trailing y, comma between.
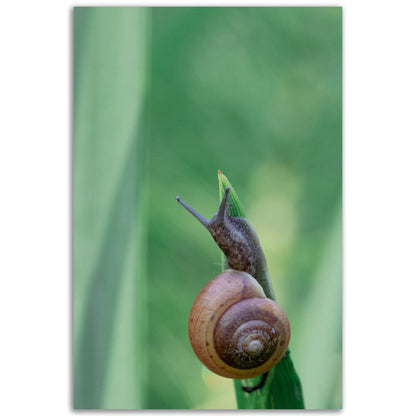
x: 235, y: 330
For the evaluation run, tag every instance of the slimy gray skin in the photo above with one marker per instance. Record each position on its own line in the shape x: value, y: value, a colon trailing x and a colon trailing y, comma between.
x: 238, y: 240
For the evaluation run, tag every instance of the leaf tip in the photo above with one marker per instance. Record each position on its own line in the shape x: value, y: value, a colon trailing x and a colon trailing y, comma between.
x: 222, y: 179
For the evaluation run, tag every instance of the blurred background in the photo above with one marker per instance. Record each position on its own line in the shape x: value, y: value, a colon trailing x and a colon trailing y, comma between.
x: 163, y: 98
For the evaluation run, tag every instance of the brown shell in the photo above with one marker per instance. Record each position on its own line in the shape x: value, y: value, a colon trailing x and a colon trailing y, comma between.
x: 233, y: 302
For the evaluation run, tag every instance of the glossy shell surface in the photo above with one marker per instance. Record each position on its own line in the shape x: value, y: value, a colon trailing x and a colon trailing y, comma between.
x: 234, y: 329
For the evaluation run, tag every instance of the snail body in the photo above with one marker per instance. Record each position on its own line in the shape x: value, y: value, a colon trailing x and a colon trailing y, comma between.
x: 236, y: 328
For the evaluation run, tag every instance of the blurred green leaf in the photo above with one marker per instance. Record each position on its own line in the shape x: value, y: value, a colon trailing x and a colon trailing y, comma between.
x: 321, y: 328
x: 110, y: 308
x: 254, y: 91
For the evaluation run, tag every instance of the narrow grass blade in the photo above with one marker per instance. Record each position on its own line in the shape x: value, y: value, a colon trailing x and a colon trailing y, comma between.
x: 236, y: 207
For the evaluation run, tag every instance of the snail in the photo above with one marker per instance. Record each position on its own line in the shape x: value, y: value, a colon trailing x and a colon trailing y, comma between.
x: 236, y: 328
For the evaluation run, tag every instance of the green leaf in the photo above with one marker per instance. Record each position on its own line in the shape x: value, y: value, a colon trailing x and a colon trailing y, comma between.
x: 282, y: 389
x: 236, y: 209
x: 110, y: 305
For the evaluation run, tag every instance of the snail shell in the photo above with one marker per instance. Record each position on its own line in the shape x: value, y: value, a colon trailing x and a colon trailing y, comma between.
x: 236, y: 331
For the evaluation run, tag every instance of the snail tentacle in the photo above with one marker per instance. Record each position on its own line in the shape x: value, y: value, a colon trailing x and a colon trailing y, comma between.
x: 236, y: 328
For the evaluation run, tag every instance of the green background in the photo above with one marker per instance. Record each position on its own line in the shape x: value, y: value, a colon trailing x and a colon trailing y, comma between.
x: 163, y: 98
